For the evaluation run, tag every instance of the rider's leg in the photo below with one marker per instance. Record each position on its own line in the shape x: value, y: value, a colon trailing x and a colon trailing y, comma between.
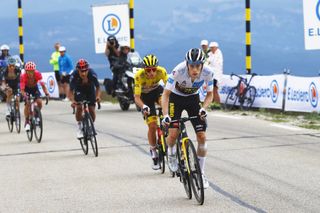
x: 9, y: 95
x: 92, y: 111
x: 39, y: 103
x: 202, y: 149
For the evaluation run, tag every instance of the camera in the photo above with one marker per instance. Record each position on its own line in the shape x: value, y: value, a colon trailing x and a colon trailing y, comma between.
x: 111, y: 42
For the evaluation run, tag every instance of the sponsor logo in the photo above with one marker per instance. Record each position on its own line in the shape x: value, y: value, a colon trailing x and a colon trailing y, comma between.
x: 313, y: 95
x: 111, y: 24
x: 274, y: 88
x: 198, y: 84
x: 51, y: 85
x: 318, y: 10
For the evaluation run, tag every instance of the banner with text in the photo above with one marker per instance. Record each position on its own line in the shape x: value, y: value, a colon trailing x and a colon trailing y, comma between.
x: 302, y: 94
x: 311, y: 13
x: 110, y: 20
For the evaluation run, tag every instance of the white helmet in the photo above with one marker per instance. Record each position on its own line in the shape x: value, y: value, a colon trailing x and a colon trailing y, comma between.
x: 4, y: 47
x: 62, y: 49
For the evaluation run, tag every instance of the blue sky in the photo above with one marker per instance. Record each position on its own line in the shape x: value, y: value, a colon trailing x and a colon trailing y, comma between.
x: 170, y: 28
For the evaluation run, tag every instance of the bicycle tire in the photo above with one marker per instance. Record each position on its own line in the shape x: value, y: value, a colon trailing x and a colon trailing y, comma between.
x: 30, y: 132
x: 10, y: 122
x: 162, y: 152
x: 37, y: 124
x: 249, y: 98
x: 231, y: 99
x: 92, y: 135
x: 18, y: 120
x: 183, y: 173
x: 84, y: 140
x: 195, y: 174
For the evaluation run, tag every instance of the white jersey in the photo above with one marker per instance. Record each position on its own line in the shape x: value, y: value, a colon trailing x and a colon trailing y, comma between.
x: 216, y: 62
x: 179, y: 81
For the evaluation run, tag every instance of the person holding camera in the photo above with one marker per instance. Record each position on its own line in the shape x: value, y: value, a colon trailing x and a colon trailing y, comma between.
x: 112, y: 52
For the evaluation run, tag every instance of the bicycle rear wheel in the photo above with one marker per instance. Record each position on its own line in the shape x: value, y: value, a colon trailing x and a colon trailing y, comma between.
x: 249, y: 98
x: 38, y: 126
x: 195, y: 174
x: 231, y: 99
x: 18, y: 120
x: 91, y: 134
x: 183, y: 172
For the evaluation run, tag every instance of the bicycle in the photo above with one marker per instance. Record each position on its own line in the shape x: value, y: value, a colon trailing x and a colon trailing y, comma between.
x: 188, y: 164
x: 89, y: 132
x: 243, y: 92
x: 14, y: 116
x: 161, y: 143
x: 35, y: 119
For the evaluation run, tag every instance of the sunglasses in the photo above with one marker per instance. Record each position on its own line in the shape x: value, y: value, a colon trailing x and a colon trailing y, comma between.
x: 150, y: 69
x: 30, y: 71
x: 83, y: 71
x: 194, y: 62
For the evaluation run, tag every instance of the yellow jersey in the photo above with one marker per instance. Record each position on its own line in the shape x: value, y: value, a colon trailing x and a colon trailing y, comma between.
x: 142, y: 84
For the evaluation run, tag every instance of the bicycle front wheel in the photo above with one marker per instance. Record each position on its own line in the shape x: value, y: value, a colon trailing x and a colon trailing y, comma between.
x: 249, y: 98
x: 91, y: 135
x: 37, y: 124
x: 162, y: 152
x: 10, y: 121
x: 18, y: 120
x: 30, y: 132
x: 195, y: 173
x: 183, y: 171
x: 84, y: 140
x: 231, y: 99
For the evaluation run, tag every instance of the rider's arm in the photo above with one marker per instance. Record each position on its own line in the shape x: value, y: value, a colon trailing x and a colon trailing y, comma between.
x: 22, y: 83
x: 209, y: 97
x: 137, y: 89
x: 165, y: 101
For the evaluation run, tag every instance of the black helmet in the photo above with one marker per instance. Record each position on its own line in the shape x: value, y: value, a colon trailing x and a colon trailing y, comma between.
x: 112, y: 38
x: 195, y: 56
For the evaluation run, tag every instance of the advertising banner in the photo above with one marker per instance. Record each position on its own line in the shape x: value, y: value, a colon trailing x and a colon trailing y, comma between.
x: 110, y: 20
x: 50, y: 81
x: 311, y: 13
x: 302, y: 94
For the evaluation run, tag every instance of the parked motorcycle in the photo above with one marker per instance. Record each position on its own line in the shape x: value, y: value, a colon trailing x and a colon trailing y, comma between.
x: 125, y: 84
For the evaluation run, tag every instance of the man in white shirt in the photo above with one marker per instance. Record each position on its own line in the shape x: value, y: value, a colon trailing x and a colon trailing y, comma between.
x: 215, y: 61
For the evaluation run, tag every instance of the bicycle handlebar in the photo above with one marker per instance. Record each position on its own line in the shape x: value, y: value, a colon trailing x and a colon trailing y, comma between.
x: 81, y: 103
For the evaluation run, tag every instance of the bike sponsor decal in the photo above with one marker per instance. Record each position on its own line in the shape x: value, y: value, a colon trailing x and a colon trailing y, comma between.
x: 111, y: 24
x: 313, y: 94
x: 274, y: 88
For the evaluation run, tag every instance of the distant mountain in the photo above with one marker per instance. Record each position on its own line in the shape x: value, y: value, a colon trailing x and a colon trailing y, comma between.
x: 277, y: 38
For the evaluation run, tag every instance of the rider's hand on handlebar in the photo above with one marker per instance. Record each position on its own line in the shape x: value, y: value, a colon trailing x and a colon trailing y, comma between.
x: 166, y: 120
x: 145, y: 109
x: 98, y: 99
x: 202, y: 113
x: 74, y: 104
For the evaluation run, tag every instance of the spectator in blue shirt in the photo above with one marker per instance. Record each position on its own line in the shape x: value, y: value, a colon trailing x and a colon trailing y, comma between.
x: 65, y: 69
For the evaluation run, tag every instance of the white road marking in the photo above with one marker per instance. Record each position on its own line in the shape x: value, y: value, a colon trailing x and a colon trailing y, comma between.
x: 287, y: 127
x: 225, y: 116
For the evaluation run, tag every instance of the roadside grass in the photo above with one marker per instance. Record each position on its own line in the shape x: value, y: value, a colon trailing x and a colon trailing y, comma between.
x: 300, y: 119
x: 108, y: 98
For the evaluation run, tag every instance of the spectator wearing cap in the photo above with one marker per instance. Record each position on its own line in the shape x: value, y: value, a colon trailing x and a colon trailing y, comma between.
x: 204, y: 46
x: 54, y: 61
x: 65, y: 69
x: 4, y: 52
x: 215, y: 61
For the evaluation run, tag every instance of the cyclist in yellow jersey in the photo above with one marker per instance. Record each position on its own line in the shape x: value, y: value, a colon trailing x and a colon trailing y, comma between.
x: 147, y: 92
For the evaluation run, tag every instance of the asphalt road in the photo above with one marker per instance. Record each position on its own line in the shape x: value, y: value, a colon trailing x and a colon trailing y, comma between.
x: 252, y: 165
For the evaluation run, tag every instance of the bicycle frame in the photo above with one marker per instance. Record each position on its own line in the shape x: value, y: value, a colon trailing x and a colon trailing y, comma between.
x: 159, y: 128
x: 242, y: 81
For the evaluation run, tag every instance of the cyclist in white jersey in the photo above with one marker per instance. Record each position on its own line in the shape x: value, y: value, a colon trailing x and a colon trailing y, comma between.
x: 181, y: 93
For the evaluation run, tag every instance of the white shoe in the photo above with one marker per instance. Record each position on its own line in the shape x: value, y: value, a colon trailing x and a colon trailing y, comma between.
x: 173, y: 163
x: 79, y: 133
x: 66, y: 99
x: 27, y: 127
x: 7, y: 113
x: 205, y: 182
x: 155, y: 164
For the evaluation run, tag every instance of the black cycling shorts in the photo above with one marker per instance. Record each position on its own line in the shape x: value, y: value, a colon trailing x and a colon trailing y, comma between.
x: 34, y: 91
x: 57, y: 75
x: 191, y: 104
x: 85, y: 93
x: 65, y: 79
x: 151, y: 98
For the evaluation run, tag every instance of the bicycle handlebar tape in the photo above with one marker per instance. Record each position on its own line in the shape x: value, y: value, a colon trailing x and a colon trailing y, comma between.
x: 20, y: 30
x: 131, y: 17
x: 248, y: 37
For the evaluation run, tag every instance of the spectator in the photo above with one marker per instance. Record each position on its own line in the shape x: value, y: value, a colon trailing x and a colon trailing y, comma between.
x: 204, y: 46
x: 4, y: 52
x: 65, y: 68
x: 54, y: 61
x: 112, y: 52
x: 216, y: 62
